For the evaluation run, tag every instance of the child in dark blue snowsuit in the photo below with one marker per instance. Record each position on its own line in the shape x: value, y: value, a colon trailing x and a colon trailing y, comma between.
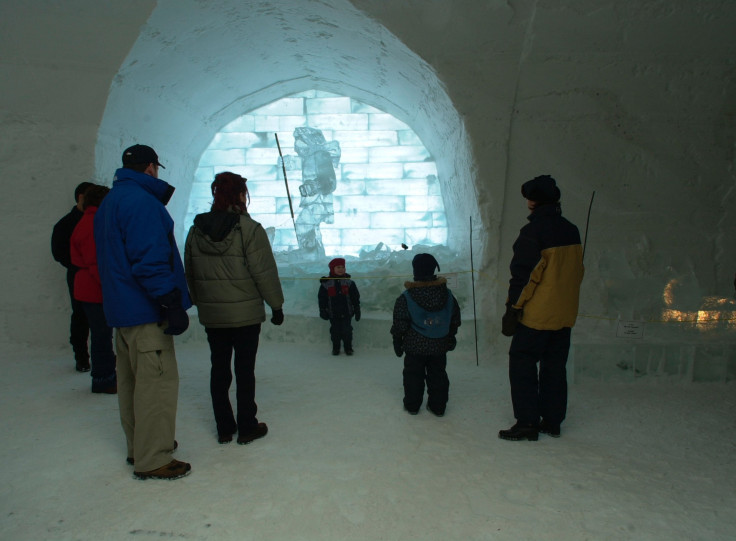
x: 426, y: 319
x: 339, y: 301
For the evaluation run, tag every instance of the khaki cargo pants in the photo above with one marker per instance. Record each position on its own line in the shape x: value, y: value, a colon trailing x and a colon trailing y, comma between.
x: 148, y: 390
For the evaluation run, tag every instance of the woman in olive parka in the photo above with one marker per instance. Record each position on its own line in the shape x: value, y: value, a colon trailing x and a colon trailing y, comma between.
x: 231, y: 272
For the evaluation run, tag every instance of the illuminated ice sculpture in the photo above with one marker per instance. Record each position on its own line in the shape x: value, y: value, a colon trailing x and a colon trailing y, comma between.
x: 318, y: 161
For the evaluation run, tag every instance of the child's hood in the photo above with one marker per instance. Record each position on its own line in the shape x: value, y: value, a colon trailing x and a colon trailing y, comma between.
x: 430, y: 295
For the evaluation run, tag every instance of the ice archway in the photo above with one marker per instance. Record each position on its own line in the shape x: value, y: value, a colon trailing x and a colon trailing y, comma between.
x: 196, y: 67
x: 361, y: 180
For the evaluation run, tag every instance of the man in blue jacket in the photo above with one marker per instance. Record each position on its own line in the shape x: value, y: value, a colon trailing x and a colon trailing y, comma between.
x: 541, y: 309
x: 145, y: 297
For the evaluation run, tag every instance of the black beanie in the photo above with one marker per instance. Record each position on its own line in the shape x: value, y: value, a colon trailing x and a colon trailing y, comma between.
x: 424, y: 265
x: 542, y: 189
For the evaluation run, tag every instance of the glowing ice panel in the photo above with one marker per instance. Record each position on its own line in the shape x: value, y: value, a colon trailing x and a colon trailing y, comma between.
x: 357, y: 176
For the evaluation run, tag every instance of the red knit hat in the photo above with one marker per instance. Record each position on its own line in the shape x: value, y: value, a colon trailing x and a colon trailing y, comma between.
x: 338, y: 261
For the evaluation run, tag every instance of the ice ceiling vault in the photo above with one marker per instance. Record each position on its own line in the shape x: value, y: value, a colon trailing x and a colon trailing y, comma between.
x: 195, y: 69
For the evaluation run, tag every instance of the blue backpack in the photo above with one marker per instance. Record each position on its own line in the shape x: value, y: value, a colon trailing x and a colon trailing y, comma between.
x: 428, y: 323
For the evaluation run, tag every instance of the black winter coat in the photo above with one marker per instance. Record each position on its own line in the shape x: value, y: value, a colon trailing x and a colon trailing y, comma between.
x: 61, y: 236
x: 338, y: 297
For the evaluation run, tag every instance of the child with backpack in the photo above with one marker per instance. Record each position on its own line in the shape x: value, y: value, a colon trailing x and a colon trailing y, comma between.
x: 425, y: 322
x: 339, y: 301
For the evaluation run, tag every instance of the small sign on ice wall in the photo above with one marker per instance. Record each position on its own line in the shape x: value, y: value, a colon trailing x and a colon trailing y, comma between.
x: 630, y: 329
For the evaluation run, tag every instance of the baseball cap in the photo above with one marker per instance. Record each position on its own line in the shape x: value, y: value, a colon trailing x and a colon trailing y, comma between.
x: 140, y: 154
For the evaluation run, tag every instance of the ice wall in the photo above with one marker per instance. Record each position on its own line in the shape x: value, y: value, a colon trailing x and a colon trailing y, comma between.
x: 367, y: 177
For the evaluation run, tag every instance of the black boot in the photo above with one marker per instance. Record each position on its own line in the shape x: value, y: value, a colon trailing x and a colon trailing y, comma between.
x: 551, y: 429
x: 436, y: 410
x: 520, y: 431
x: 82, y: 361
x: 412, y: 411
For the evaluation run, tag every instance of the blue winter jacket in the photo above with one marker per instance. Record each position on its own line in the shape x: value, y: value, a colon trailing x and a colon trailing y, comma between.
x: 136, y: 252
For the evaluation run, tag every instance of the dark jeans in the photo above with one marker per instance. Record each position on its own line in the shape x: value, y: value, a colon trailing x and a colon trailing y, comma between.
x: 103, y: 355
x: 244, y: 342
x: 542, y: 394
x: 79, y: 327
x: 341, y: 330
x: 417, y: 368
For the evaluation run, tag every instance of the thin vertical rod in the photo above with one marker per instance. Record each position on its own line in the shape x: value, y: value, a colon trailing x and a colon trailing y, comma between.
x: 587, y: 222
x: 472, y: 281
x: 286, y: 182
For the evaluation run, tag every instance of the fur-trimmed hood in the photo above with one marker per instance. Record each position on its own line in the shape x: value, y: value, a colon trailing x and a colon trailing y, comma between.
x: 431, y: 295
x: 441, y: 280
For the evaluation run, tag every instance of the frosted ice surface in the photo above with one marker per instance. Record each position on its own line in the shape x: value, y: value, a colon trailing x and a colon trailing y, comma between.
x: 384, y: 121
x: 427, y: 202
x: 367, y: 139
x: 222, y: 157
x: 369, y: 237
x: 245, y: 123
x: 396, y: 186
x: 402, y: 154
x: 350, y: 187
x: 260, y: 156
x: 339, y: 122
x: 284, y: 106
x: 419, y: 169
x: 267, y: 123
x: 351, y: 170
x: 377, y: 203
x: 339, y: 105
x: 355, y: 155
x: 386, y: 220
x: 288, y: 123
x: 229, y: 140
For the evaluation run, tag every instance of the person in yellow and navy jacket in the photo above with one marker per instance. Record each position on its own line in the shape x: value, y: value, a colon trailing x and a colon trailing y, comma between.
x: 541, y: 309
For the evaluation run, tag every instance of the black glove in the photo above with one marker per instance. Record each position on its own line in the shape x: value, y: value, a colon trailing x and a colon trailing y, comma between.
x: 451, y: 343
x: 357, y: 313
x: 277, y: 316
x: 324, y: 314
x: 398, y: 348
x: 510, y: 320
x: 173, y: 313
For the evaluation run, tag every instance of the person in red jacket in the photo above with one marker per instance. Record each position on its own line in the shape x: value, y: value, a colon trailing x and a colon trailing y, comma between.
x: 78, y: 328
x: 339, y: 301
x: 88, y: 291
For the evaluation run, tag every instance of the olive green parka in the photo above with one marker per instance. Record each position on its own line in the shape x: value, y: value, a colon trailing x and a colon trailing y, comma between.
x: 231, y: 270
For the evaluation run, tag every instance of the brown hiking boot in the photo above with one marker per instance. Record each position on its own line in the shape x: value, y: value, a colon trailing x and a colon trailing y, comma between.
x: 173, y: 470
x: 258, y: 431
x: 130, y: 460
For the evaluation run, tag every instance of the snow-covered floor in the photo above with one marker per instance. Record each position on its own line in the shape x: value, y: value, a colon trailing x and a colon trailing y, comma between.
x: 343, y: 461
